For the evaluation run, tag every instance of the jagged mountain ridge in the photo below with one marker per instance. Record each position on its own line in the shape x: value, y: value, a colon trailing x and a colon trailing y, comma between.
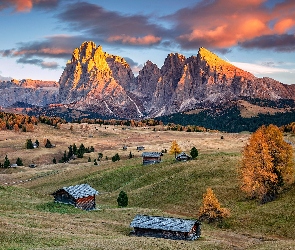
x: 28, y: 92
x: 96, y: 81
x: 179, y: 85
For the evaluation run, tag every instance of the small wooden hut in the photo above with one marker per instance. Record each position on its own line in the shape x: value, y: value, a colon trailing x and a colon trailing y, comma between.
x: 151, y: 157
x: 183, y: 157
x: 166, y: 227
x: 81, y: 196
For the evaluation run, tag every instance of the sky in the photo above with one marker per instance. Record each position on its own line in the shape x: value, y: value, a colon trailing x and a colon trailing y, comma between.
x: 39, y: 36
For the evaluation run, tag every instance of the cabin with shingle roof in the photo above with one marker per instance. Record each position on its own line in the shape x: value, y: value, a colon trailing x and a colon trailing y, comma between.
x: 166, y: 227
x: 81, y: 196
x: 151, y: 157
x: 183, y: 157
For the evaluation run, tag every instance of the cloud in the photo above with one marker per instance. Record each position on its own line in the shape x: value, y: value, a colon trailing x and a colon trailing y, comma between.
x: 283, y: 42
x: 57, y: 47
x: 27, y: 5
x: 110, y: 26
x: 146, y: 40
x: 259, y: 69
x: 38, y: 62
x: 221, y: 24
x: 135, y: 67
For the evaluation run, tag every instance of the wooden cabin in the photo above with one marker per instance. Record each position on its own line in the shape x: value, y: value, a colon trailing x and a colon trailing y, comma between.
x: 151, y: 157
x: 183, y: 157
x: 166, y: 227
x: 81, y: 196
x: 140, y: 148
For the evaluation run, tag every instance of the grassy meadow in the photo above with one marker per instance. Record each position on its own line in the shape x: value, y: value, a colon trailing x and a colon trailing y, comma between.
x: 29, y: 219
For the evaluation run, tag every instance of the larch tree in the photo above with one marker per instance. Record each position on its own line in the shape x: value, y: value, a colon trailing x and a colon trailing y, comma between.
x: 211, y: 210
x: 267, y: 164
x: 174, y: 149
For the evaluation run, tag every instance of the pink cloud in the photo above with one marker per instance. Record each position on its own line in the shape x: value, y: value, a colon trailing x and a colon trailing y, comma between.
x: 146, y: 40
x: 284, y: 25
x: 27, y: 5
x: 225, y: 23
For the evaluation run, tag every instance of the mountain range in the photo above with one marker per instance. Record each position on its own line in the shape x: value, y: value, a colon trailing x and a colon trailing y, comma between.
x: 104, y: 84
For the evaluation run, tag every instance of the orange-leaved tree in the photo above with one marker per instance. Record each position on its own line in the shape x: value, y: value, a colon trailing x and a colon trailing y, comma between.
x: 174, y: 149
x: 267, y: 164
x: 211, y: 209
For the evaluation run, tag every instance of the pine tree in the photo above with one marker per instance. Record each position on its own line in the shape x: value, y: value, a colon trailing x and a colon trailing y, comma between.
x: 211, y: 210
x: 194, y: 152
x: 95, y: 162
x: 174, y: 149
x: 89, y: 159
x: 29, y: 144
x: 267, y: 164
x: 122, y: 199
x: 54, y: 160
x: 6, y: 162
x: 48, y: 144
x: 19, y: 162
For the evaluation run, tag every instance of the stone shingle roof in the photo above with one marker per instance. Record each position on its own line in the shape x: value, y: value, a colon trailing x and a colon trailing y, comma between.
x: 80, y: 191
x: 163, y: 223
x: 151, y: 154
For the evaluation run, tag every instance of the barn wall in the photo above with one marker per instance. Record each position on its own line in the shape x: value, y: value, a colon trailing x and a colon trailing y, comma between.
x: 86, y: 203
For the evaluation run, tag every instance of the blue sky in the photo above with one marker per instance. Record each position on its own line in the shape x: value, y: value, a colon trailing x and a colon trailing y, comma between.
x: 38, y: 36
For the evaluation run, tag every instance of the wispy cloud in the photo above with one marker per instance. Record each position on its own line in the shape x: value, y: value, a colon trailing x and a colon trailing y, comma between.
x: 260, y: 69
x: 58, y: 47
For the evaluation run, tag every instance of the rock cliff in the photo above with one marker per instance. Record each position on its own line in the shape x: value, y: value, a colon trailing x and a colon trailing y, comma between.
x: 94, y: 80
x: 28, y: 92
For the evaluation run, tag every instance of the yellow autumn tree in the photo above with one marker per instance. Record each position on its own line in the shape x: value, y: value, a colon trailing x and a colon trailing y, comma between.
x: 267, y: 164
x: 211, y: 210
x: 174, y: 149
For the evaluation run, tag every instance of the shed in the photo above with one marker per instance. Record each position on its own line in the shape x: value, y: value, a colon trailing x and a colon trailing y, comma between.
x: 183, y: 157
x: 140, y: 148
x: 151, y: 157
x: 81, y: 196
x: 166, y: 227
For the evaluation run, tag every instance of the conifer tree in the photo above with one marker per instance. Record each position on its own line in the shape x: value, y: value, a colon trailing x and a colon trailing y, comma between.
x: 6, y: 162
x: 29, y: 144
x: 267, y: 164
x: 174, y: 149
x: 194, y: 152
x: 19, y: 162
x: 122, y: 199
x: 211, y: 209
